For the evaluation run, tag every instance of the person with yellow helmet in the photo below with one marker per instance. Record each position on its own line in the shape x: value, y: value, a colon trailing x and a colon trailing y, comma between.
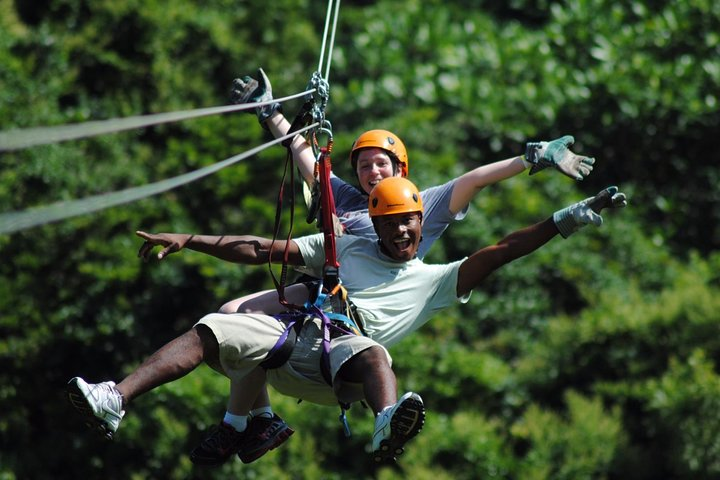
x: 375, y: 155
x: 412, y: 293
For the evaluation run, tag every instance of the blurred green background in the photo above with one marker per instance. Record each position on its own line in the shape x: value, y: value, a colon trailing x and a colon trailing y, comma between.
x: 594, y: 358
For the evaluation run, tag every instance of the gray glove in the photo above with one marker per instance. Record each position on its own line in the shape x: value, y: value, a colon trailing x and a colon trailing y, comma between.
x: 570, y: 219
x: 249, y: 90
x: 557, y: 154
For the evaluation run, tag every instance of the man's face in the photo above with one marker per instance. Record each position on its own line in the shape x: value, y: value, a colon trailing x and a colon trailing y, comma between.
x: 399, y: 234
x: 373, y: 164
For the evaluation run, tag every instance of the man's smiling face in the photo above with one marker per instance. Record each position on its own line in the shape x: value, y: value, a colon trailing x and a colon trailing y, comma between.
x: 399, y: 234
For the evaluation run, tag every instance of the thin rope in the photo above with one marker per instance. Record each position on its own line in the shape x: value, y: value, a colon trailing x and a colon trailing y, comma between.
x: 20, y: 220
x: 324, y: 40
x: 332, y: 41
x: 23, y: 138
x: 335, y: 14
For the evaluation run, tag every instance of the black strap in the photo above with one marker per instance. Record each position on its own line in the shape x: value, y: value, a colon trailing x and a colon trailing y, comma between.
x: 302, y: 119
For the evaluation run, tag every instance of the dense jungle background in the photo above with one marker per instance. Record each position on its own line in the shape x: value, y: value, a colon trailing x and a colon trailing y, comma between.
x: 594, y: 358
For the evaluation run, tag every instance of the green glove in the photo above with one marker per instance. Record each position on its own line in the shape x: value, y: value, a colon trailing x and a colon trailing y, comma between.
x: 249, y: 90
x: 570, y: 219
x: 557, y: 154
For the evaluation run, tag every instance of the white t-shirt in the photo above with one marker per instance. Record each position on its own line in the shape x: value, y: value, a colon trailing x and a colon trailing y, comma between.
x: 393, y: 298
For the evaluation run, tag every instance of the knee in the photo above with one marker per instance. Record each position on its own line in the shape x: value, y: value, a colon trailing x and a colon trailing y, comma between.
x: 371, y: 360
x: 210, y: 346
x: 229, y: 308
x: 374, y: 356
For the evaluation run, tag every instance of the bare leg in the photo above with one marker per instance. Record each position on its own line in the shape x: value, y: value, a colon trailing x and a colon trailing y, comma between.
x: 172, y: 361
x: 243, y: 391
x: 371, y: 368
x: 267, y: 301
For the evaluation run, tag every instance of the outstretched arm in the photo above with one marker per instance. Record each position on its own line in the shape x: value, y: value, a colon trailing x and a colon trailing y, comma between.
x: 245, y: 249
x: 524, y: 241
x: 470, y: 183
x: 249, y: 90
x: 539, y: 155
x: 518, y: 244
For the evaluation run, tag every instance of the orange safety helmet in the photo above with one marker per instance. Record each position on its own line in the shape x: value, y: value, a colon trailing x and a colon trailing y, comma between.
x: 394, y: 195
x: 388, y: 141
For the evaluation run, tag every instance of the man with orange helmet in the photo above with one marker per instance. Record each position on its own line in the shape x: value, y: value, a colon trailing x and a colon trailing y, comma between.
x: 360, y: 366
x: 374, y: 155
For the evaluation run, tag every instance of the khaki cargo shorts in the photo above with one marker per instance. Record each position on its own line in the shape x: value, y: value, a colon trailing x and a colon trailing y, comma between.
x: 246, y: 339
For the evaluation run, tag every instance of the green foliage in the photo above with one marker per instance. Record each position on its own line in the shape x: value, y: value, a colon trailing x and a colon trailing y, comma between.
x: 580, y: 446
x: 595, y: 357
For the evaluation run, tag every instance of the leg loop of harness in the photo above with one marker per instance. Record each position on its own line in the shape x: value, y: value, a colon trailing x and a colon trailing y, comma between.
x: 333, y: 325
x: 281, y: 351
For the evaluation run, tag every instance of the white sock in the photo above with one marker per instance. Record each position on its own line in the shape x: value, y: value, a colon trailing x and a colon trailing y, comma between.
x: 262, y: 412
x: 238, y: 422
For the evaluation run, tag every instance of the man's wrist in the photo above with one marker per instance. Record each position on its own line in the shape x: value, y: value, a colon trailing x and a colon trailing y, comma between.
x: 525, y: 162
x: 565, y: 221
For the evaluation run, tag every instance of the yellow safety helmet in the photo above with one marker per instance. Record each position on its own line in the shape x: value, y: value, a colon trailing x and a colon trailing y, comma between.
x: 394, y: 195
x: 388, y: 141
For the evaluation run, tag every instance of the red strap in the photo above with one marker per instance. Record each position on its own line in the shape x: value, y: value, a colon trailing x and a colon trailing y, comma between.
x: 330, y: 270
x: 327, y: 202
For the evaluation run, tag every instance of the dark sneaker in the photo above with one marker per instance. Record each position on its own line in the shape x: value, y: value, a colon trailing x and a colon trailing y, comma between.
x: 396, y: 425
x: 264, y: 434
x: 222, y: 443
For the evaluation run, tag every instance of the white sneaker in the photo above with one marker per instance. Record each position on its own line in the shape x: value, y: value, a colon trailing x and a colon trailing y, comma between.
x: 395, y: 425
x: 100, y: 403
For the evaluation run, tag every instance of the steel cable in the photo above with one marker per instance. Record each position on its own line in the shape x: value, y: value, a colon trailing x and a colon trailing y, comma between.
x: 14, y: 221
x: 23, y: 138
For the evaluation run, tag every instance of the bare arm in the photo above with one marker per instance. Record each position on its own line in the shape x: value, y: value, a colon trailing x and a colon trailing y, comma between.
x: 245, y: 249
x: 470, y: 183
x: 518, y: 244
x: 526, y: 240
x: 301, y: 151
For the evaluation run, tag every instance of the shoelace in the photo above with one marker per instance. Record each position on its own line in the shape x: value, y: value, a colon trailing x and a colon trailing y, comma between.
x: 269, y: 429
x: 219, y: 439
x: 108, y: 389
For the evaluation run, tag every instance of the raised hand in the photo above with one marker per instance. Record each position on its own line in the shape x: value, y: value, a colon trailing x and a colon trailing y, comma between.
x: 557, y: 154
x: 173, y: 242
x: 249, y: 90
x: 570, y: 219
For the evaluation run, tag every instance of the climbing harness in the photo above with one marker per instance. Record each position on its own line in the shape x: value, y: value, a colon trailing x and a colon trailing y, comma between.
x: 329, y: 301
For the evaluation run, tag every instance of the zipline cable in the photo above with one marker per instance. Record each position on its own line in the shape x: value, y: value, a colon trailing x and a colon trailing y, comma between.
x: 20, y: 220
x: 324, y: 40
x: 332, y: 41
x: 23, y: 138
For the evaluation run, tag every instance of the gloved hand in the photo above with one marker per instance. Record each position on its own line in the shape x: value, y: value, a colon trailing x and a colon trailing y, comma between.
x: 557, y: 154
x: 249, y: 90
x: 570, y: 219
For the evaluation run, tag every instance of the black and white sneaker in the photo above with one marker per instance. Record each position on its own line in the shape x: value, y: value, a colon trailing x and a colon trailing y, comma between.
x: 100, y: 404
x: 396, y: 425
